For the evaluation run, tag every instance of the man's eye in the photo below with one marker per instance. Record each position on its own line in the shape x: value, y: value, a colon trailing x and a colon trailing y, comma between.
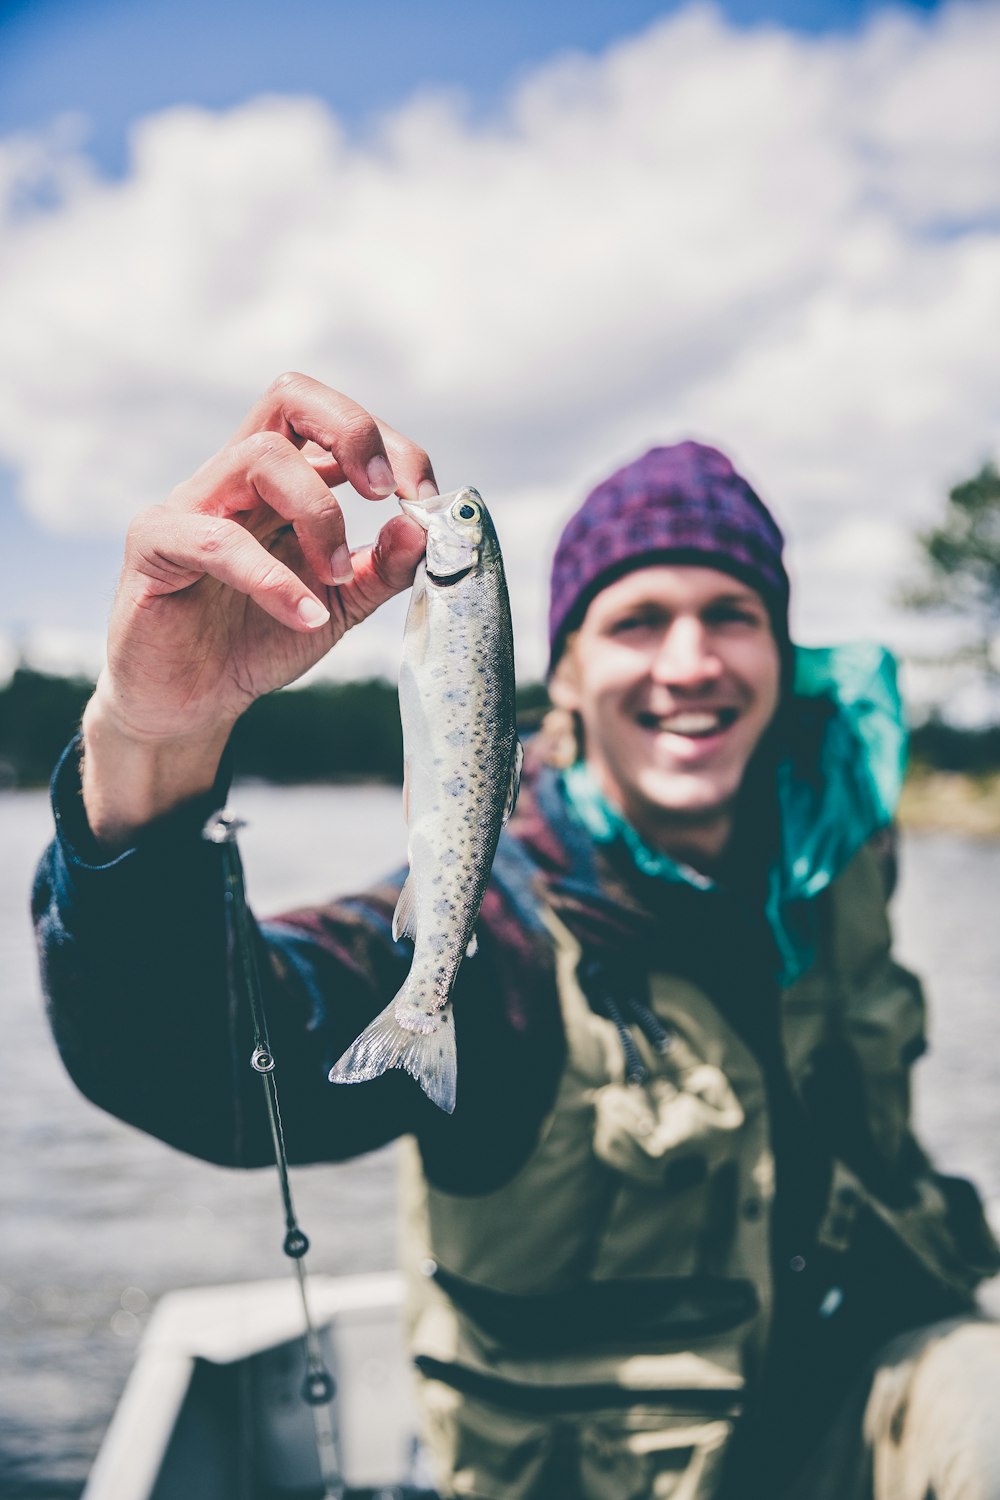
x: 734, y: 614
x: 627, y: 623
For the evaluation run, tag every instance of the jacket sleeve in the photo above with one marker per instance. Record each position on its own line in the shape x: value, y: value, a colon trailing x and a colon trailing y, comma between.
x: 133, y: 955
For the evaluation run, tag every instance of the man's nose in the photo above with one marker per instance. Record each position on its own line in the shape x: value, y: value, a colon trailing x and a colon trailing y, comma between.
x: 685, y: 656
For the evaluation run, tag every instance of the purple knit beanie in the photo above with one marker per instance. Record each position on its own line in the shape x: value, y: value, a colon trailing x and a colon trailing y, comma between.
x: 683, y: 504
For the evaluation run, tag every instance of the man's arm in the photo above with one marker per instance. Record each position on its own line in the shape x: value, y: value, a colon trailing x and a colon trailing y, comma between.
x: 886, y: 1188
x: 138, y: 979
x: 236, y: 585
x: 136, y: 970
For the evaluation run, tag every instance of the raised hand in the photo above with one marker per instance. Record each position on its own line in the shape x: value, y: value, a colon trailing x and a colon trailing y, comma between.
x: 235, y: 586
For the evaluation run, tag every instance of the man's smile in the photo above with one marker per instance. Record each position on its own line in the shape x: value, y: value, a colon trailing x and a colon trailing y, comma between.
x: 694, y: 724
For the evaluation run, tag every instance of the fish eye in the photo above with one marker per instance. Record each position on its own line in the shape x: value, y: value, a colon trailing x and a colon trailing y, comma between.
x: 466, y: 510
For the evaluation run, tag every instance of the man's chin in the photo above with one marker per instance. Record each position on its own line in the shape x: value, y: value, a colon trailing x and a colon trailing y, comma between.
x: 683, y: 802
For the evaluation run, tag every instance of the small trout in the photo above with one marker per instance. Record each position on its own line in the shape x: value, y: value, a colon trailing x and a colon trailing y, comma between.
x: 463, y: 762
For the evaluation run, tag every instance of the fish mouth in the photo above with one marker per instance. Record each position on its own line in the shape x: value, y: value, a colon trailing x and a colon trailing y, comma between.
x: 417, y: 511
x: 421, y: 511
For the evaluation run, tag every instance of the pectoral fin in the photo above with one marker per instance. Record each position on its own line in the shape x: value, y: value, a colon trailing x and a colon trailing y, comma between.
x: 415, y: 632
x: 515, y: 780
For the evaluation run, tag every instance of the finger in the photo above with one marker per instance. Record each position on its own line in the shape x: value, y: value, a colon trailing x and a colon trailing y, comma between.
x: 170, y: 550
x: 303, y: 410
x: 267, y: 467
x: 320, y: 460
x: 410, y: 464
x: 383, y: 569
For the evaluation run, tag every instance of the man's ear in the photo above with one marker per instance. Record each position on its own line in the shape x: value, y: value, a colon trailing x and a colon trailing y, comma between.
x: 564, y: 685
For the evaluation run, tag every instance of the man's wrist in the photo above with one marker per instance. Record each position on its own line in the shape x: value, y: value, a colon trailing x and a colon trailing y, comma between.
x: 129, y: 780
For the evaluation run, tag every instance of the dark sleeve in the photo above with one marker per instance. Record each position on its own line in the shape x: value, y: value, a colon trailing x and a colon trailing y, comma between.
x: 134, y: 963
x: 133, y: 955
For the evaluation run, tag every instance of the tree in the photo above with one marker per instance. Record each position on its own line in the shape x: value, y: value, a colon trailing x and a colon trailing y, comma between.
x: 961, y: 566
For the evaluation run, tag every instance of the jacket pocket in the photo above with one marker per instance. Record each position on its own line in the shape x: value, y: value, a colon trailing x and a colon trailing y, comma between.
x: 668, y: 1133
x: 885, y: 1028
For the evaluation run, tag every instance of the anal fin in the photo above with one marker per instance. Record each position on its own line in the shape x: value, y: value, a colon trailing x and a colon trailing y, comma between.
x: 404, y: 918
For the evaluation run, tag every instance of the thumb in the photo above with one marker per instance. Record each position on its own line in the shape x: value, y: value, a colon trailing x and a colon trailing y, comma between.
x: 384, y: 568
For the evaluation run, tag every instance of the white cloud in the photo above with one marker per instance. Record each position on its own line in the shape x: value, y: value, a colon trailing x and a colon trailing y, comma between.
x: 787, y: 245
x: 63, y: 652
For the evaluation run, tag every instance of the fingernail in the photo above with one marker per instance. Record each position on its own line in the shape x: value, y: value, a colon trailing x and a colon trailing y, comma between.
x: 312, y: 613
x: 380, y: 475
x: 426, y: 488
x: 341, y: 566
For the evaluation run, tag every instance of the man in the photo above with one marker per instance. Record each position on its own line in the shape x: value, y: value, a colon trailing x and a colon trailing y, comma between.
x: 678, y: 1210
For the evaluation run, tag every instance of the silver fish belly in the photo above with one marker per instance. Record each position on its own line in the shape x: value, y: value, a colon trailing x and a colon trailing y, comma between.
x: 456, y: 697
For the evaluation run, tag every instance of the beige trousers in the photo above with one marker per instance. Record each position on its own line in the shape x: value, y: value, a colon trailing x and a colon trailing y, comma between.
x: 481, y: 1452
x: 923, y: 1425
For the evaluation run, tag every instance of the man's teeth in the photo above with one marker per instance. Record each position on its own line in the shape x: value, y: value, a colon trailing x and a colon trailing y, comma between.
x: 692, y: 724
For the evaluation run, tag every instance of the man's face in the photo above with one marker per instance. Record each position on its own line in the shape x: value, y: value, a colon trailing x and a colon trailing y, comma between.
x: 675, y: 675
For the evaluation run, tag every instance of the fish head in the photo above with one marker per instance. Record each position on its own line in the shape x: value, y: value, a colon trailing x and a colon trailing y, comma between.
x: 460, y: 534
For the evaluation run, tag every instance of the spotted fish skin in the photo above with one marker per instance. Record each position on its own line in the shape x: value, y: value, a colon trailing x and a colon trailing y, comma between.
x: 456, y: 698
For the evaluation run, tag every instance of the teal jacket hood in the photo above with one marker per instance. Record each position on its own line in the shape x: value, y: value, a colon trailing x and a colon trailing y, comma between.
x: 839, y: 777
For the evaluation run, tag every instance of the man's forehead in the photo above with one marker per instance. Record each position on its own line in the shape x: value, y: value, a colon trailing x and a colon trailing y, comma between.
x: 672, y: 585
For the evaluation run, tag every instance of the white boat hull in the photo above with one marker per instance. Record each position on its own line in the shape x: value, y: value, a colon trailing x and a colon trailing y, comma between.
x: 214, y: 1408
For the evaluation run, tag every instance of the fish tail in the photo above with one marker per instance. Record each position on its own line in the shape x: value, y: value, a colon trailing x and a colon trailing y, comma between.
x: 393, y: 1040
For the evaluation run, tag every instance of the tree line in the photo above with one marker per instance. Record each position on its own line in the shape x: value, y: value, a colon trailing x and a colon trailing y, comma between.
x: 339, y: 732
x: 327, y: 732
x: 348, y: 731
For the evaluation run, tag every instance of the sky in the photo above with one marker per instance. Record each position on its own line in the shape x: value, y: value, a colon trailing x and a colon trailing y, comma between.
x: 539, y: 239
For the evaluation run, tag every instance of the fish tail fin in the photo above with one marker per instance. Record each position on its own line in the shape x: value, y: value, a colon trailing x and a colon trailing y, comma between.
x: 428, y: 1055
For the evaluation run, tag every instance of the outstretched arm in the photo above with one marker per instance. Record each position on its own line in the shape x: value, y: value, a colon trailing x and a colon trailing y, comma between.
x: 136, y: 970
x: 233, y: 587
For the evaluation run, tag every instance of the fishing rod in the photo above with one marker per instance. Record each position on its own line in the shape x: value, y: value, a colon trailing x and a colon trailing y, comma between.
x: 244, y: 979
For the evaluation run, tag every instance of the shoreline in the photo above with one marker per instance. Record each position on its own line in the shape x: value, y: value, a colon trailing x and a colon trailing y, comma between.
x: 951, y: 802
x: 932, y: 801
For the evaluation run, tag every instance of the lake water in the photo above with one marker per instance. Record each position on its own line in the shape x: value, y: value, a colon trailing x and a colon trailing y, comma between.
x: 99, y: 1220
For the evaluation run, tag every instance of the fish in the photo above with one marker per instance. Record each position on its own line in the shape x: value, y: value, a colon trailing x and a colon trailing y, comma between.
x: 462, y: 770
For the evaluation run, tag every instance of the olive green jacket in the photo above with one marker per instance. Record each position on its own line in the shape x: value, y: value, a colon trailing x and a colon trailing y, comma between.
x: 631, y: 1258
